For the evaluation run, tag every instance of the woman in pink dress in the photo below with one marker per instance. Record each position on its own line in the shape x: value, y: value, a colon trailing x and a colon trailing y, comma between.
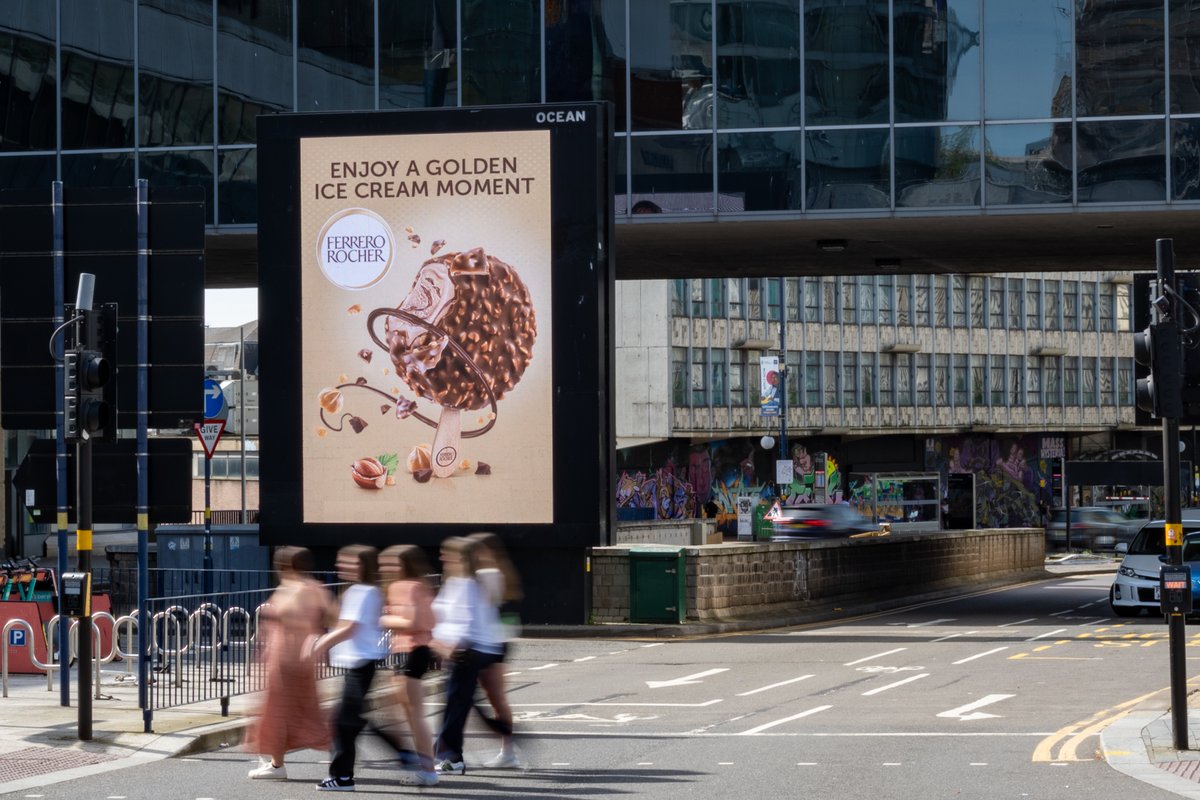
x: 408, y: 614
x: 290, y: 717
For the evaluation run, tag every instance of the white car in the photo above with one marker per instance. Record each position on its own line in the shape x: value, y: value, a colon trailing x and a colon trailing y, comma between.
x: 1136, y: 585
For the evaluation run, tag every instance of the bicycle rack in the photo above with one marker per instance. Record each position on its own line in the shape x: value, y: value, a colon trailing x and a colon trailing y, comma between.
x: 181, y: 647
x: 129, y: 622
x: 8, y: 626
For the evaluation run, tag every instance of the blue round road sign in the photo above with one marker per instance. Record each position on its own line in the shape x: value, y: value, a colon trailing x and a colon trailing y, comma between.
x: 214, y: 399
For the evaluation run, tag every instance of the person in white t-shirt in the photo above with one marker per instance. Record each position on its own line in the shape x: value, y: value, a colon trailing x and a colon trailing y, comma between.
x: 354, y: 643
x: 502, y: 587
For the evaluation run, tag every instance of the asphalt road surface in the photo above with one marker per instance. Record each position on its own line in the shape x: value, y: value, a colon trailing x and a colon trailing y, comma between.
x: 995, y: 695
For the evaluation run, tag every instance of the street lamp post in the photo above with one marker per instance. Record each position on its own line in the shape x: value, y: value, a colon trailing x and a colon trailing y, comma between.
x: 783, y: 370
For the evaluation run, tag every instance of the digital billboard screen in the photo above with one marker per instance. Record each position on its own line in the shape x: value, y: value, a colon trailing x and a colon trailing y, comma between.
x: 436, y: 324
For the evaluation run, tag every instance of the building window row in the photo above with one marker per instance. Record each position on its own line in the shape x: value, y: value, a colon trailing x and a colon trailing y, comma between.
x: 718, y: 377
x: 943, y: 301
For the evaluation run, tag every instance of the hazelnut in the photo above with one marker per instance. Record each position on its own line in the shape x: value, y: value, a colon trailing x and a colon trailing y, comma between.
x: 369, y: 473
x: 483, y: 469
x: 420, y: 458
x: 330, y: 400
x: 423, y: 475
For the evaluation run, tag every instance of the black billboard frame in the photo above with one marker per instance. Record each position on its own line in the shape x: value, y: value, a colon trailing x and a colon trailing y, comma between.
x: 582, y: 176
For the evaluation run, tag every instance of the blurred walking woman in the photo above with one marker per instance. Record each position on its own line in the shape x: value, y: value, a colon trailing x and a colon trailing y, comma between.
x: 409, y: 615
x: 502, y: 588
x: 355, y: 646
x: 290, y: 717
x: 465, y: 636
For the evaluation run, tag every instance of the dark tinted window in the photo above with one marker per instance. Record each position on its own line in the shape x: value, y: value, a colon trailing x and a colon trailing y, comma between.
x: 1150, y: 540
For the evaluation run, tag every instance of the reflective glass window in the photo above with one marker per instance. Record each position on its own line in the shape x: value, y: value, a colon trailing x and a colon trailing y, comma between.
x: 793, y: 299
x: 585, y: 44
x: 254, y: 65
x: 996, y: 380
x: 1108, y: 386
x: 758, y: 64
x: 181, y: 168
x: 335, y: 49
x: 1087, y: 306
x: 904, y: 395
x: 754, y: 297
x: 1015, y: 316
x: 619, y: 152
x: 941, y: 383
x: 940, y: 300
x: 1071, y: 381
x: 866, y: 301
x: 829, y: 381
x: 760, y: 171
x: 1033, y: 382
x: 961, y: 382
x: 978, y: 379
x: 791, y: 378
x: 923, y: 379
x: 1028, y: 163
x: 1087, y: 393
x: 1052, y: 377
x: 1119, y: 58
x: 699, y: 384
x: 237, y: 186
x: 812, y: 299
x: 849, y: 378
x: 1123, y: 312
x: 1185, y: 159
x: 1070, y: 305
x: 812, y: 378
x: 27, y: 78
x: 867, y: 371
x: 98, y: 169
x: 718, y: 376
x: 1027, y: 59
x: 848, y: 169
x: 829, y: 294
x: 737, y: 384
x: 849, y: 306
x: 1108, y: 297
x: 733, y: 289
x: 97, y: 73
x: 937, y: 60
x: 1124, y: 381
x: 1121, y: 161
x: 976, y: 288
x: 887, y: 379
x: 884, y: 298
x: 1016, y: 370
x: 922, y: 299
x: 501, y: 40
x: 679, y: 369
x: 27, y: 172
x: 1050, y: 291
x: 418, y: 66
x: 679, y: 297
x: 773, y: 286
x: 958, y: 298
x: 937, y: 166
x: 716, y: 297
x: 995, y: 295
x: 673, y: 172
x: 175, y: 73
x: 1033, y: 304
x: 670, y: 64
x: 696, y: 291
x: 1184, y: 31
x: 904, y: 301
x: 846, y: 62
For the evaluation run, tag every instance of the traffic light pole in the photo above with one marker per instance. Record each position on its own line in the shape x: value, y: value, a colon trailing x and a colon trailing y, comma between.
x: 1173, y: 515
x: 83, y: 546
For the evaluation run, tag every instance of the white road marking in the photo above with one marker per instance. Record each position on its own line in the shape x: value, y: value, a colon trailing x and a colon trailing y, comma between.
x: 1018, y: 622
x: 978, y: 655
x: 891, y: 764
x: 979, y: 764
x: 585, y: 658
x: 773, y: 686
x: 897, y: 683
x: 806, y: 763
x: 889, y: 670
x: 872, y: 658
x: 724, y: 763
x: 638, y: 705
x: 543, y: 666
x: 560, y: 763
x: 645, y: 763
x: 922, y: 624
x: 655, y: 644
x: 953, y: 636
x: 799, y: 734
x: 761, y: 728
x: 686, y: 679
x: 511, y: 674
x: 967, y: 713
x: 1044, y: 635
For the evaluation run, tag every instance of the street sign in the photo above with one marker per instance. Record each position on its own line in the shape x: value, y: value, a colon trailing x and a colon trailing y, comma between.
x: 214, y: 399
x: 16, y: 637
x: 210, y: 432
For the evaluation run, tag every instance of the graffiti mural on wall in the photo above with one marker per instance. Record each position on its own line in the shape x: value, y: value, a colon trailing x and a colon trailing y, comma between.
x: 1012, y: 483
x: 680, y: 481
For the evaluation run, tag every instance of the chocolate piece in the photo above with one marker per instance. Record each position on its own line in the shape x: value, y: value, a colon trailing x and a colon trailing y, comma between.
x: 360, y: 380
x: 415, y: 239
x: 357, y: 423
x: 365, y: 354
x: 423, y: 475
x: 483, y: 469
x: 482, y: 303
x: 405, y: 407
x: 437, y: 245
x: 385, y: 408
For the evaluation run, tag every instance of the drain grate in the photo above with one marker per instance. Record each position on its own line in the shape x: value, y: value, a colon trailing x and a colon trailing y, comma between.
x: 43, y: 760
x: 1184, y: 769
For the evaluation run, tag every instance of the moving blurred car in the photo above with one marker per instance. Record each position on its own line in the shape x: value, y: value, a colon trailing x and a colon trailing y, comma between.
x: 817, y: 521
x: 1136, y: 584
x: 1092, y: 528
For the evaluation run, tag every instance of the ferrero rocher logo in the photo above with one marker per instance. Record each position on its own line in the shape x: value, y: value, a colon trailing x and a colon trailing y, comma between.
x: 355, y: 248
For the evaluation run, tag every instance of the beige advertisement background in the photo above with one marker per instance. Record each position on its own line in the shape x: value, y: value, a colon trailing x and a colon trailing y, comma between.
x: 504, y: 211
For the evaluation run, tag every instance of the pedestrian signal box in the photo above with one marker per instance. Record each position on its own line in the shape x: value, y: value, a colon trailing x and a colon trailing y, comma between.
x: 1175, y: 589
x: 77, y: 594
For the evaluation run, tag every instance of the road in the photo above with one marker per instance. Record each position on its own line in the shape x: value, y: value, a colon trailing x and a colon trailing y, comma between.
x: 998, y: 694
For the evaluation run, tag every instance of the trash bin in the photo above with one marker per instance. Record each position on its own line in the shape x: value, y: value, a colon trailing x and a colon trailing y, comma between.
x: 657, y: 580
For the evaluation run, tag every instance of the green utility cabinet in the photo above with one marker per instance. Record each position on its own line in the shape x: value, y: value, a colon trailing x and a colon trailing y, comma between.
x: 657, y: 580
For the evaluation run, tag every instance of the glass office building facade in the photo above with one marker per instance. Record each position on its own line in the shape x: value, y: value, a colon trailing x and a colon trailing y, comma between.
x: 726, y: 107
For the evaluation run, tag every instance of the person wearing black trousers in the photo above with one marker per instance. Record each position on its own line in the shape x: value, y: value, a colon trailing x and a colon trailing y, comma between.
x: 355, y: 643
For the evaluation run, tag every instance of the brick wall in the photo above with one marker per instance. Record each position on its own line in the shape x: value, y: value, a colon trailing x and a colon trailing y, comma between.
x: 737, y: 580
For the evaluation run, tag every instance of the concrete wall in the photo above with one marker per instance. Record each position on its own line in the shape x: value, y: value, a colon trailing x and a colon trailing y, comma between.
x: 737, y: 580
x: 670, y: 531
x: 643, y: 361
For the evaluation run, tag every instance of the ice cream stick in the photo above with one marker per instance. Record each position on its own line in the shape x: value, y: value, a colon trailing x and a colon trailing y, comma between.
x: 446, y: 442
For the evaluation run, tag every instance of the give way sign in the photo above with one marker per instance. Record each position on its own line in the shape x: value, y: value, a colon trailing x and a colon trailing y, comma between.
x: 209, y: 432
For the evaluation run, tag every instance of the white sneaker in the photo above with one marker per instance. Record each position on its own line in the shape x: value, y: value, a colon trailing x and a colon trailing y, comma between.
x: 267, y: 771
x: 505, y: 759
x: 424, y: 778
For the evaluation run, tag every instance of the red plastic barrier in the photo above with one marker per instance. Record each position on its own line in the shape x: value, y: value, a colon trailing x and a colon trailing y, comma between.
x: 19, y: 644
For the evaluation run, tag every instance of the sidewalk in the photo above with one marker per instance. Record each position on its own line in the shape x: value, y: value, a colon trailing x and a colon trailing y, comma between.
x: 39, y: 742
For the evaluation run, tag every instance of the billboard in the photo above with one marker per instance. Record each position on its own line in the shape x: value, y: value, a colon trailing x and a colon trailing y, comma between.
x: 436, y: 324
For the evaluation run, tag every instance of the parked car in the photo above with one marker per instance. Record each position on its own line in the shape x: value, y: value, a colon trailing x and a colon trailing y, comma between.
x: 817, y: 521
x: 1092, y: 528
x: 1135, y: 587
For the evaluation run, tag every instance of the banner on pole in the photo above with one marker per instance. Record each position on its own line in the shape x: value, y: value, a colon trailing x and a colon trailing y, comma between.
x: 771, y: 385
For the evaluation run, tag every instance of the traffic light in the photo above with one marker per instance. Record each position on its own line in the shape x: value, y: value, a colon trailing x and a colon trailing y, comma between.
x: 89, y: 382
x: 1158, y: 347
